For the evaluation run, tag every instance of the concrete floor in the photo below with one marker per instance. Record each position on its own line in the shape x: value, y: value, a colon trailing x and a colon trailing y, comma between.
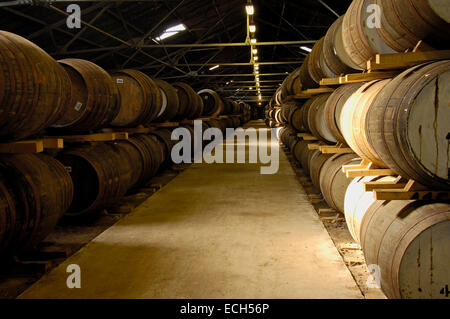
x: 215, y: 231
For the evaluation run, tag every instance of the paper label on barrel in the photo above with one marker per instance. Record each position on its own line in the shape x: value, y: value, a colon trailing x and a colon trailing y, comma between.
x: 119, y: 81
x: 78, y: 106
x: 68, y: 169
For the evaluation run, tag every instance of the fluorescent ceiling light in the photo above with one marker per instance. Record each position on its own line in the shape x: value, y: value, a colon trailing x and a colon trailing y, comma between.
x: 213, y: 67
x: 171, y: 32
x: 252, y: 28
x: 306, y: 49
x: 250, y: 9
x: 177, y: 28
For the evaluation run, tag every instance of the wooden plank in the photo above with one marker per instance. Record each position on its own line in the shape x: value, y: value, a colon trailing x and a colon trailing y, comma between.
x: 401, y: 194
x: 370, y: 186
x: 366, y: 77
x: 166, y: 124
x: 359, y: 77
x: 97, y: 137
x: 405, y: 60
x: 370, y: 172
x: 331, y: 81
x: 307, y: 137
x: 135, y: 130
x: 327, y: 211
x: 350, y: 246
x: 320, y: 90
x: 363, y: 165
x: 22, y: 147
x: 334, y: 149
x: 313, y: 146
x: 53, y: 143
x: 121, y: 135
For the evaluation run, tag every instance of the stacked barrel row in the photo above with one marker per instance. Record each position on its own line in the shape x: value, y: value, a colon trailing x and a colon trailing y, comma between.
x: 401, y: 124
x: 371, y: 27
x: 77, y: 96
x: 38, y: 93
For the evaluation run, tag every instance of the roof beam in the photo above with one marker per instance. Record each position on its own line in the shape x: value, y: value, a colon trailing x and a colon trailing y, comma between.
x: 238, y: 44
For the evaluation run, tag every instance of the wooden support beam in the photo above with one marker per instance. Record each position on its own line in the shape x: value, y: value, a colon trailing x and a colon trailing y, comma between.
x: 401, y: 194
x: 22, y: 147
x: 335, y: 149
x: 53, y: 143
x: 97, y: 137
x: 359, y: 77
x: 405, y: 60
x: 307, y: 137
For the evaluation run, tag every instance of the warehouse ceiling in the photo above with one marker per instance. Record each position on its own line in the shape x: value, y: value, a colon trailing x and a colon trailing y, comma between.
x: 122, y: 34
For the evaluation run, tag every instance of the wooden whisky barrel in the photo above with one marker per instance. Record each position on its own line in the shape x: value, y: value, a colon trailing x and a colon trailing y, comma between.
x: 7, y: 216
x: 406, y: 22
x: 316, y: 119
x: 407, y: 131
x: 408, y: 240
x: 34, y: 89
x: 315, y: 69
x: 353, y: 120
x: 165, y: 138
x: 305, y: 109
x: 315, y: 166
x: 357, y: 201
x: 334, y: 106
x: 291, y: 84
x: 296, y: 116
x: 94, y: 100
x: 333, y: 181
x: 190, y: 106
x: 305, y: 76
x: 361, y: 41
x: 101, y: 174
x: 170, y: 103
x: 213, y: 104
x: 37, y: 190
x: 140, y: 99
x: 329, y: 52
x: 278, y: 97
x: 300, y: 151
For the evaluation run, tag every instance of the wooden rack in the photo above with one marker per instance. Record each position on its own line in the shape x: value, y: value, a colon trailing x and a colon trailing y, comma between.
x: 96, y: 137
x: 401, y: 190
x: 130, y: 131
x: 385, y: 66
x: 165, y: 124
x: 365, y: 168
x: 405, y: 60
x: 307, y: 137
x: 31, y: 146
x: 359, y: 77
x: 330, y: 149
x: 335, y: 149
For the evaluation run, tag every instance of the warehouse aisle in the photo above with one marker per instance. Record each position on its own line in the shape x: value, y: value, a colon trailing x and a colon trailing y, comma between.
x: 215, y: 231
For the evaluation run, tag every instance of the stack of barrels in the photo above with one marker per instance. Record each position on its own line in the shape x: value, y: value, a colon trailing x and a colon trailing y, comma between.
x: 39, y: 96
x: 367, y: 28
x: 273, y: 111
x: 399, y: 123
